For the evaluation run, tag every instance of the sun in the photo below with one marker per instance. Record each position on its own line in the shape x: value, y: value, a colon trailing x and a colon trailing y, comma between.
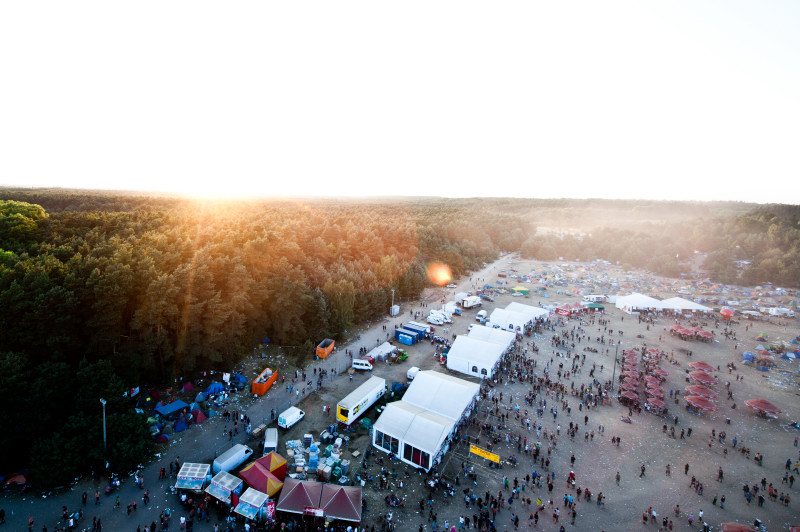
x: 439, y: 273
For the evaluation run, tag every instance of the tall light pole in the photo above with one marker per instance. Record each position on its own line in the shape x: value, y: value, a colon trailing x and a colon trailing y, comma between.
x: 392, y: 307
x: 614, y: 371
x: 103, y: 402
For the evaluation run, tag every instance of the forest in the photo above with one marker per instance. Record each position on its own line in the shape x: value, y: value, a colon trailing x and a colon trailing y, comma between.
x: 101, y: 292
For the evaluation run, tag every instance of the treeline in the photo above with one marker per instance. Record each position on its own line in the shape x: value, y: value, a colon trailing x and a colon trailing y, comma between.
x: 766, y: 236
x: 164, y: 288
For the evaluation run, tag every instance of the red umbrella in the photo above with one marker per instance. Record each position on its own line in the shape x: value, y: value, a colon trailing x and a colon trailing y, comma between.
x: 701, y: 403
x: 702, y: 377
x: 764, y: 406
x: 658, y: 403
x: 652, y: 380
x: 630, y: 395
x: 660, y: 372
x: 655, y: 393
x: 701, y: 366
x: 702, y: 391
x: 629, y: 386
x: 727, y: 313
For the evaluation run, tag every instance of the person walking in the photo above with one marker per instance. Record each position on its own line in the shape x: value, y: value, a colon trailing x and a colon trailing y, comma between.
x: 642, y: 473
x: 617, y: 477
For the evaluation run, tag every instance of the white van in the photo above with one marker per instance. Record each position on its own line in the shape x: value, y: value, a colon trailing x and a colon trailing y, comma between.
x: 481, y: 315
x: 270, y: 440
x: 290, y: 416
x: 412, y: 372
x: 361, y: 364
x: 232, y: 458
x: 435, y: 319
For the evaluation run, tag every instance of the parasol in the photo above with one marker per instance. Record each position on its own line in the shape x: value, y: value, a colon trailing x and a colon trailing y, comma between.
x: 630, y: 395
x: 701, y: 403
x: 763, y: 406
x: 657, y: 403
x: 702, y: 391
x: 701, y: 366
x: 702, y: 377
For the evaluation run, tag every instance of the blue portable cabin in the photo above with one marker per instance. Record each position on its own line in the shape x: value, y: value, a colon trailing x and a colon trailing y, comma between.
x: 403, y: 338
x: 415, y: 328
x: 407, y: 332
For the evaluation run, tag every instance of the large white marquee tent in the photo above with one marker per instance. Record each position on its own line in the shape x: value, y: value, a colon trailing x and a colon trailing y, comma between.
x: 417, y: 429
x: 478, y: 358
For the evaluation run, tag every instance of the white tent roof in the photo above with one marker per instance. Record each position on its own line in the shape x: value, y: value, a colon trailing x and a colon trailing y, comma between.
x: 533, y: 312
x: 475, y: 351
x: 441, y: 394
x: 414, y: 425
x: 490, y: 334
x: 505, y: 318
x: 638, y: 301
x: 680, y: 303
x: 380, y: 352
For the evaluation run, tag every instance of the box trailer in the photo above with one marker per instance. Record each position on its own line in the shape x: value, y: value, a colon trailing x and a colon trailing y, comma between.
x: 325, y: 347
x: 352, y: 406
x: 471, y: 301
x: 232, y: 458
x: 420, y: 332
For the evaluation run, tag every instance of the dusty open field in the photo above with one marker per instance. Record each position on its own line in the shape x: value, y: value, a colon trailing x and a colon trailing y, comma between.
x: 596, y: 461
x: 643, y: 441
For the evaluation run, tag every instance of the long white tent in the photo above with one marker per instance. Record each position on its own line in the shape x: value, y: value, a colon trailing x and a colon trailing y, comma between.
x: 508, y: 320
x: 533, y: 312
x: 477, y: 358
x: 679, y: 303
x: 417, y: 429
x: 490, y: 334
x: 636, y: 302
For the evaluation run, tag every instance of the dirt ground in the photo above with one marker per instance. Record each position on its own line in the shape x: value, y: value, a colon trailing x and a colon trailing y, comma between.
x: 597, y: 461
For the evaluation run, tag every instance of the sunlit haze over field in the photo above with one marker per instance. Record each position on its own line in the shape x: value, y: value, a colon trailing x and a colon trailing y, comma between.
x: 670, y: 100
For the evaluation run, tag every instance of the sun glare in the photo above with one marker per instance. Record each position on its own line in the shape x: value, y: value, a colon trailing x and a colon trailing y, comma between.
x: 439, y: 273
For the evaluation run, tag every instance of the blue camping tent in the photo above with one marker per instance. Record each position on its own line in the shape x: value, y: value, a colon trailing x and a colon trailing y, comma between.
x: 171, y: 408
x: 181, y: 425
x: 200, y: 397
x: 238, y: 377
x: 214, y: 387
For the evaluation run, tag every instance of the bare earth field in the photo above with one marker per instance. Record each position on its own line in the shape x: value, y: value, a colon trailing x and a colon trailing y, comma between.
x: 596, y: 461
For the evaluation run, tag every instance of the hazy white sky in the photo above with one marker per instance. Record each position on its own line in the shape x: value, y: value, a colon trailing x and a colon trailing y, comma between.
x: 612, y: 99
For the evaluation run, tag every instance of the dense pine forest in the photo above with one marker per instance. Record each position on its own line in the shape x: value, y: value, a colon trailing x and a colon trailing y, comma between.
x: 104, y: 291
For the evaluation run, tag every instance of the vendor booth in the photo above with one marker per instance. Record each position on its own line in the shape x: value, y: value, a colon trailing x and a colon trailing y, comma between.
x: 193, y: 476
x: 477, y: 358
x: 224, y: 487
x: 251, y: 504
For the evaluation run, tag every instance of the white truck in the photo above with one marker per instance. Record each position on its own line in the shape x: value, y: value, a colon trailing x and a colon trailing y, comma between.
x: 270, y: 440
x: 435, y: 319
x: 481, y: 316
x: 470, y: 302
x: 363, y: 397
x: 445, y: 318
x: 232, y: 458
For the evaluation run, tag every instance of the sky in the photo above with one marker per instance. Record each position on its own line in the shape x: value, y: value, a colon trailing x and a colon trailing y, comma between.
x: 670, y: 100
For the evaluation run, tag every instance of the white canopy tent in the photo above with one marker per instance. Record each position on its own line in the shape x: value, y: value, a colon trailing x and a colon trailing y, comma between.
x: 442, y: 394
x: 528, y: 310
x: 382, y: 351
x: 636, y: 302
x: 508, y: 320
x: 417, y: 428
x: 477, y: 358
x: 679, y: 303
x: 490, y: 334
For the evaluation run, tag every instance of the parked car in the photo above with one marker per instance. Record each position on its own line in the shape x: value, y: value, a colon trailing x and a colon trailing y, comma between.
x: 451, y: 285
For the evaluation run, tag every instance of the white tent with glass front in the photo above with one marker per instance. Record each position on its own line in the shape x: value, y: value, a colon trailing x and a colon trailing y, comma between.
x: 417, y: 429
x: 477, y: 358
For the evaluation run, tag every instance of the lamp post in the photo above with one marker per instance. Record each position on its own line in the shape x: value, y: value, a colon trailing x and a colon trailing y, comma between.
x: 103, y: 402
x: 392, y: 307
x: 614, y: 371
